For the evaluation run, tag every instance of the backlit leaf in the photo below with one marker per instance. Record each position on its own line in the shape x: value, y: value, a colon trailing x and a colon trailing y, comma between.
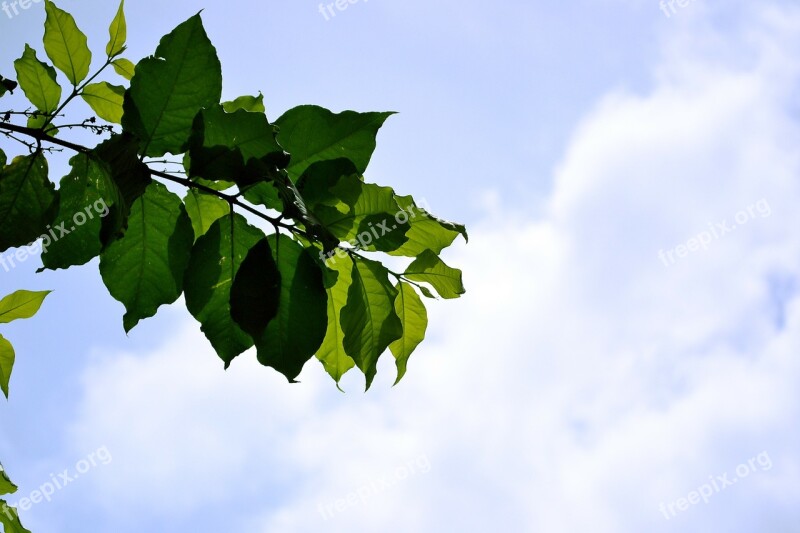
x: 414, y: 317
x: 118, y: 32
x: 105, y: 100
x: 429, y: 268
x: 38, y: 81
x: 65, y: 44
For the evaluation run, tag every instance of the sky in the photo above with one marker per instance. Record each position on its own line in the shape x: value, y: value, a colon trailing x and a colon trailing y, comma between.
x: 625, y: 358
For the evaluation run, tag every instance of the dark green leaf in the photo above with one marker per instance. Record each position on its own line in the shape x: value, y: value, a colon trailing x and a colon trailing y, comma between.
x: 369, y: 320
x: 38, y: 81
x: 312, y: 133
x: 170, y: 88
x: 216, y: 258
x: 87, y: 195
x: 429, y: 268
x: 296, y: 333
x: 256, y: 291
x: 414, y: 317
x: 238, y: 146
x: 329, y: 183
x: 28, y: 201
x: 144, y: 269
x: 371, y: 222
x: 7, y: 85
x: 65, y: 44
x: 265, y: 194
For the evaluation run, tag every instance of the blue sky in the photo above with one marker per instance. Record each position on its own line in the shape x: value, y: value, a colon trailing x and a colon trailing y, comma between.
x: 581, y: 383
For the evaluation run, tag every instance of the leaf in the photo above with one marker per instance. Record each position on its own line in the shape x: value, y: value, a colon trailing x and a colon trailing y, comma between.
x: 369, y: 320
x: 239, y: 146
x: 253, y: 104
x: 204, y: 209
x: 87, y: 194
x: 6, y: 364
x: 7, y: 86
x: 414, y: 317
x: 105, y: 100
x: 65, y: 44
x: 21, y: 305
x: 6, y: 486
x: 265, y: 194
x: 216, y: 258
x: 38, y: 81
x: 332, y: 355
x: 329, y: 183
x: 10, y: 519
x: 427, y: 232
x: 38, y: 121
x: 256, y: 290
x: 131, y: 176
x: 118, y: 32
x: 124, y: 67
x: 144, y: 269
x: 371, y: 222
x: 169, y: 89
x: 28, y: 201
x: 312, y: 133
x: 296, y: 333
x: 429, y: 268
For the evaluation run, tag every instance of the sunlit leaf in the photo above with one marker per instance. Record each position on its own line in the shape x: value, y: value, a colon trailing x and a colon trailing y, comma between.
x: 105, y: 100
x: 38, y: 81
x: 204, y: 209
x: 414, y: 317
x: 429, y: 268
x: 124, y: 67
x: 65, y: 44
x: 118, y: 32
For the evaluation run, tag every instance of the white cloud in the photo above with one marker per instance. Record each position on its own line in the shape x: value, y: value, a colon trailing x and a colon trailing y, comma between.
x: 578, y: 385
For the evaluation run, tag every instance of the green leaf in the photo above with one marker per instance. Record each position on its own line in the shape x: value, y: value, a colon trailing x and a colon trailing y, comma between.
x: 144, y: 269
x: 312, y: 133
x: 21, y: 305
x: 253, y: 104
x: 124, y: 67
x: 28, y: 201
x: 105, y: 100
x: 6, y: 364
x: 369, y: 320
x: 427, y: 232
x: 38, y: 81
x: 256, y: 290
x: 131, y: 176
x: 414, y: 317
x: 39, y: 120
x: 87, y: 194
x: 329, y: 183
x: 6, y: 486
x: 296, y: 333
x: 429, y: 268
x: 169, y: 89
x: 332, y: 355
x: 118, y: 32
x: 216, y: 258
x: 371, y: 222
x: 204, y: 209
x: 10, y: 519
x: 239, y: 146
x: 264, y: 193
x: 65, y: 44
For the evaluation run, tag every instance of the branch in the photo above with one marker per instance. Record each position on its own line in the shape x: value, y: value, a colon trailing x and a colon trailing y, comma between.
x: 40, y: 136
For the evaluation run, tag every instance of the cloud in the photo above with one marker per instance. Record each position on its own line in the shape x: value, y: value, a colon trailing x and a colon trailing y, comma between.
x: 578, y: 385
